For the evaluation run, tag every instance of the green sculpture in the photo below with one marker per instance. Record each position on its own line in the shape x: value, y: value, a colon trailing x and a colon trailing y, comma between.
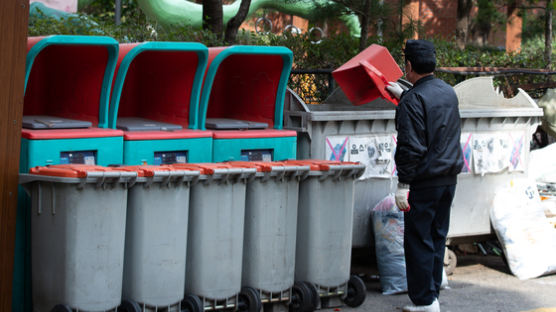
x: 187, y: 13
x: 182, y: 12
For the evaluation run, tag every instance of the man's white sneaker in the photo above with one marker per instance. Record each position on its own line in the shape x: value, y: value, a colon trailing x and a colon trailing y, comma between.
x: 433, y: 307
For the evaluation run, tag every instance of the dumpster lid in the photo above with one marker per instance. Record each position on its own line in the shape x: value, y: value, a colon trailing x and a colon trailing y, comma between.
x: 151, y: 170
x: 69, y: 171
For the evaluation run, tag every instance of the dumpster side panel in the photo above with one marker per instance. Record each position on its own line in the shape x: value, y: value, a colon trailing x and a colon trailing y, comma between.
x: 230, y: 149
x: 323, y: 251
x: 215, y: 239
x: 140, y: 151
x: 47, y: 152
x: 156, y: 242
x: 270, y: 234
x: 79, y: 239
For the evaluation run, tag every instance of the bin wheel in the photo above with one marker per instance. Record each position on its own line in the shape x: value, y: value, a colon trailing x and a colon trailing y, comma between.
x: 450, y: 261
x: 356, y: 292
x: 315, y: 298
x: 192, y: 303
x: 302, y: 298
x: 250, y: 300
x: 129, y: 306
x: 61, y: 308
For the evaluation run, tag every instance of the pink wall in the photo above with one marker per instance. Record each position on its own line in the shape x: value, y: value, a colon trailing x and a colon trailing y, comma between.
x: 63, y: 5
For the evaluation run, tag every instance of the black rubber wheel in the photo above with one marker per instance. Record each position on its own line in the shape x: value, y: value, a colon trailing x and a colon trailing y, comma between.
x: 450, y: 261
x: 302, y: 300
x: 250, y: 300
x: 356, y: 292
x: 61, y: 308
x: 315, y: 298
x: 129, y: 306
x: 192, y: 303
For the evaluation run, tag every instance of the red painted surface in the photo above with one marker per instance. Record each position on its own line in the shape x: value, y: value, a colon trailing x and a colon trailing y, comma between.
x: 253, y: 134
x: 158, y: 85
x: 66, y: 81
x: 245, y: 87
x: 166, y: 135
x: 69, y: 133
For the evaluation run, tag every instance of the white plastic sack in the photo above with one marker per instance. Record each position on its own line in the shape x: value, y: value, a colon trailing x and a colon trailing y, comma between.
x: 388, y: 226
x: 528, y: 239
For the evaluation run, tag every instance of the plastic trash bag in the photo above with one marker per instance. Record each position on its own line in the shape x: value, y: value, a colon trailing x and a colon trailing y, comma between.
x: 388, y: 226
x: 528, y: 239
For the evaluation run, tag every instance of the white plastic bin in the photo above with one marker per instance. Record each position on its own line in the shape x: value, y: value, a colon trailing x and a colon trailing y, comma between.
x: 215, y: 239
x: 77, y: 236
x: 156, y: 237
x: 324, y: 227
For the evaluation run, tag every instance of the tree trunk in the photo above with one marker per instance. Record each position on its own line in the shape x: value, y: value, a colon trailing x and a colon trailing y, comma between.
x: 364, y: 25
x: 548, y: 33
x: 462, y: 24
x: 212, y: 16
x: 234, y: 23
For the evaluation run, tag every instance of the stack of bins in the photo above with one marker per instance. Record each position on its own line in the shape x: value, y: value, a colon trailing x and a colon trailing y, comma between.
x: 243, y: 101
x: 156, y: 238
x: 65, y: 121
x: 78, y: 230
x: 155, y: 100
x: 324, y: 227
x: 270, y: 233
x: 215, y: 239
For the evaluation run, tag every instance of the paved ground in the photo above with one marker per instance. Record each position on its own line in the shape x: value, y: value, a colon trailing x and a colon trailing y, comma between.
x: 479, y: 284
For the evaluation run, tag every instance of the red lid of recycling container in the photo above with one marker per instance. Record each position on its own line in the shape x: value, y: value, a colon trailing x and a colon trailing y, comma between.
x: 261, y: 166
x: 69, y: 171
x: 203, y: 168
x: 364, y: 78
x: 149, y: 170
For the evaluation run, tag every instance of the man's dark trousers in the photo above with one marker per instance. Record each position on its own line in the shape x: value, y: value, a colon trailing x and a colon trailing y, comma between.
x: 426, y: 227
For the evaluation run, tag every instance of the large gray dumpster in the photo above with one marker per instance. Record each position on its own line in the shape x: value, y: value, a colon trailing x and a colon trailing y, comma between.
x: 324, y: 227
x: 215, y: 240
x: 77, y: 236
x: 494, y: 130
x: 156, y: 237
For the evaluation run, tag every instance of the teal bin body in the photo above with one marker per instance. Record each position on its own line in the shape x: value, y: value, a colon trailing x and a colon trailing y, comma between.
x: 242, y: 102
x: 67, y: 78
x: 155, y: 101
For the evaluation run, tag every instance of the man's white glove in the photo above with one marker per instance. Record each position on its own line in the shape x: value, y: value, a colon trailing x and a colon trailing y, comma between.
x: 395, y: 89
x: 401, y: 197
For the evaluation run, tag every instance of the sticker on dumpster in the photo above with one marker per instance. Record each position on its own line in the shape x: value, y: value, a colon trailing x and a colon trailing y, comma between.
x: 375, y: 152
x: 465, y: 142
x: 498, y: 151
x: 337, y: 148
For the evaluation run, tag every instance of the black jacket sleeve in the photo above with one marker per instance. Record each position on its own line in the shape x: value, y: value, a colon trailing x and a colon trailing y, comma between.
x: 411, y: 145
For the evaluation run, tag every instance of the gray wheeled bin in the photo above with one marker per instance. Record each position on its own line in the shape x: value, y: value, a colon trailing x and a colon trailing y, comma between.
x: 215, y: 240
x: 324, y: 227
x: 270, y: 233
x: 77, y: 236
x: 156, y: 238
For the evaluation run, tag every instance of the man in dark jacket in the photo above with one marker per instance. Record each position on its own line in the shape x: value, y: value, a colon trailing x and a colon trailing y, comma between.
x: 428, y: 159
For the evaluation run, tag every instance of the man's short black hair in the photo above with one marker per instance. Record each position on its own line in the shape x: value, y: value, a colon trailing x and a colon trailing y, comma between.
x: 422, y: 55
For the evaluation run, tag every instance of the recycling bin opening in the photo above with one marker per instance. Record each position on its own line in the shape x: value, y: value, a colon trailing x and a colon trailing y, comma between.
x: 67, y: 81
x: 242, y: 101
x: 155, y: 100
